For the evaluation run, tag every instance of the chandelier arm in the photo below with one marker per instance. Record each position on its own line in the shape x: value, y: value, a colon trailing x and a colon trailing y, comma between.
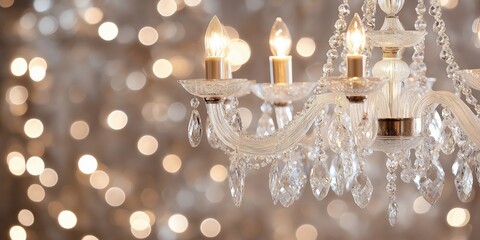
x: 281, y: 140
x: 465, y: 117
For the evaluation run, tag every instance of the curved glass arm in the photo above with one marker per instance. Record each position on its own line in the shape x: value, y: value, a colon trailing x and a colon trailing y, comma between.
x: 281, y: 140
x: 465, y: 117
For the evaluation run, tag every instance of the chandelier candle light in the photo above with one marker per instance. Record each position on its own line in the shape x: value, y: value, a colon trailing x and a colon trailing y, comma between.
x: 389, y: 107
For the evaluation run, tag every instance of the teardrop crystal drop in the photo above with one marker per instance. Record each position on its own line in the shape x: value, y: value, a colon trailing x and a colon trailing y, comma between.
x: 236, y: 121
x: 464, y: 182
x: 430, y: 184
x: 265, y: 126
x: 338, y: 181
x: 366, y: 132
x: 362, y: 190
x: 273, y: 179
x: 195, y: 129
x: 211, y: 136
x: 236, y: 182
x: 392, y: 211
x: 447, y: 142
x: 320, y: 180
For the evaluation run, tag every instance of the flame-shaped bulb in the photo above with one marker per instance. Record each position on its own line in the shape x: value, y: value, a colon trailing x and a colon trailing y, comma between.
x: 216, y: 39
x: 280, y: 39
x: 356, y: 38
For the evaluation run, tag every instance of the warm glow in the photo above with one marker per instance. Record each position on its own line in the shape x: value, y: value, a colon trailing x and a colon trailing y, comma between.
x: 25, y: 217
x: 162, y: 68
x: 17, y: 95
x: 49, y: 177
x: 99, y: 179
x: 17, y: 233
x: 35, y: 166
x: 172, y: 163
x: 239, y: 52
x: 140, y: 221
x: 33, y: 128
x: 280, y: 39
x: 210, y: 227
x: 306, y: 47
x: 108, y: 31
x: 192, y: 3
x: 67, y: 219
x: 87, y: 164
x: 178, y: 223
x: 218, y: 173
x: 93, y: 15
x: 449, y: 4
x: 79, y: 130
x: 217, y: 40
x: 167, y: 8
x: 115, y: 196
x: 147, y: 145
x: 16, y: 164
x: 421, y: 206
x: 147, y: 36
x: 356, y: 36
x: 306, y: 232
x: 19, y: 67
x: 117, y: 120
x: 89, y: 237
x: 36, y: 193
x: 458, y: 217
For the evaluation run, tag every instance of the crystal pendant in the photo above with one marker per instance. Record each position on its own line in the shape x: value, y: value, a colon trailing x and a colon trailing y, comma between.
x: 265, y: 125
x: 236, y: 182
x: 236, y: 121
x: 338, y: 181
x: 464, y: 182
x: 366, y: 132
x: 273, y: 178
x: 195, y: 129
x: 320, y: 180
x: 431, y: 183
x: 362, y: 190
x: 338, y: 134
x: 392, y: 211
x: 447, y: 142
x: 292, y: 181
x: 211, y: 136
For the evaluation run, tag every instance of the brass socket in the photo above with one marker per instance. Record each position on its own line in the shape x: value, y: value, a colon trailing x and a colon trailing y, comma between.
x: 281, y: 70
x: 355, y: 66
x: 216, y: 68
x: 399, y: 127
x: 357, y: 99
x: 392, y: 52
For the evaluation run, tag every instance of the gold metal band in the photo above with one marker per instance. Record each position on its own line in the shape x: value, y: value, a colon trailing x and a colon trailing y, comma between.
x: 357, y: 99
x: 392, y: 52
x: 399, y: 127
x: 355, y: 66
x: 214, y: 68
x: 281, y: 70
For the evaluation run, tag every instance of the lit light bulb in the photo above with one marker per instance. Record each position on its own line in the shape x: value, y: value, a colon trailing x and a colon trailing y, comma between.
x: 356, y: 36
x: 280, y: 39
x: 216, y: 39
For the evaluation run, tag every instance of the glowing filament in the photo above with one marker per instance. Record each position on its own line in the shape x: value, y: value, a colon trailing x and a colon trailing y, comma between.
x: 356, y: 36
x: 280, y: 39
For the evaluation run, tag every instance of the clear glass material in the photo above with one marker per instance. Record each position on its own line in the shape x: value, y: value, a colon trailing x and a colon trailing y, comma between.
x: 396, y: 38
x: 275, y: 93
x: 355, y: 38
x: 354, y: 86
x: 472, y: 77
x: 214, y: 88
x: 216, y: 39
x: 280, y: 39
x: 391, y: 7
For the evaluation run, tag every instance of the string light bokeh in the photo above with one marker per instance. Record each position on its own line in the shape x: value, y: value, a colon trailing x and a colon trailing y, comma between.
x: 94, y: 141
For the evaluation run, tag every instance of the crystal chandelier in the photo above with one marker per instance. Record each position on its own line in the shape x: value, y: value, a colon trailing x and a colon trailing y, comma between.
x: 388, y: 106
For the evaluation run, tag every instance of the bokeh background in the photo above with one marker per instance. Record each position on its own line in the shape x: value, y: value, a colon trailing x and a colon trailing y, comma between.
x: 94, y: 126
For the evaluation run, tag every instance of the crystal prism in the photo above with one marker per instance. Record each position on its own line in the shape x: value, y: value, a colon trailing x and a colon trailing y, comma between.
x: 195, y: 129
x: 464, y: 182
x: 447, y: 142
x: 292, y: 181
x: 211, y: 136
x: 265, y: 125
x: 392, y: 211
x: 236, y: 121
x: 273, y: 179
x: 320, y: 180
x: 236, y: 182
x: 362, y: 190
x: 337, y: 176
x: 430, y: 184
x: 366, y: 132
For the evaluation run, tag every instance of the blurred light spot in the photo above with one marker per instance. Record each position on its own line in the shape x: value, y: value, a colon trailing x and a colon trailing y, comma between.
x: 19, y: 67
x: 336, y: 208
x: 210, y: 227
x: 117, y: 120
x: 99, y: 179
x: 148, y: 36
x: 172, y: 163
x: 17, y: 95
x: 177, y: 111
x: 79, y: 130
x: 239, y: 52
x: 93, y: 15
x: 35, y: 166
x: 348, y: 220
x: 108, y: 31
x: 421, y: 206
x: 166, y: 8
x: 306, y: 47
x: 141, y: 234
x: 306, y: 232
x: 17, y: 233
x: 47, y: 25
x: 42, y: 5
x: 182, y: 67
x: 36, y: 193
x: 87, y: 164
x: 49, y: 177
x: 115, y: 196
x: 218, y: 173
x: 178, y: 223
x: 28, y: 20
x: 18, y: 110
x: 16, y: 164
x: 476, y: 25
x: 37, y: 69
x: 458, y: 217
x: 68, y: 19
x: 33, y: 128
x: 449, y: 4
x: 67, y: 219
x: 147, y: 145
x: 232, y: 32
x: 192, y: 3
x: 6, y: 3
x: 25, y: 217
x: 136, y: 81
x: 89, y: 237
x: 139, y: 221
x: 162, y: 68
x: 246, y: 116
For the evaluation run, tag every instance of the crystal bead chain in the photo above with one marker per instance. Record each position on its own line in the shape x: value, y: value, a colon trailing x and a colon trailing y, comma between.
x: 447, y: 55
x: 369, y: 9
x: 418, y: 66
x: 392, y: 164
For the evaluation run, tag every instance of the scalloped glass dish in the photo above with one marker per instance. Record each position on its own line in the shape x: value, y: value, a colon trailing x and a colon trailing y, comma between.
x: 396, y: 38
x: 247, y: 89
x: 214, y: 88
x: 472, y: 77
x: 395, y: 144
x: 354, y: 86
x: 283, y: 93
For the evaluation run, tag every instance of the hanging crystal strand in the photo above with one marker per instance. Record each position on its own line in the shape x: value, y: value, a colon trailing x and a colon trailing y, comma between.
x: 418, y: 67
x: 266, y: 126
x: 446, y: 54
x: 369, y: 9
x: 447, y: 141
x: 292, y: 179
x: 362, y: 187
x: 195, y: 125
x: 319, y: 175
x: 407, y: 173
x: 233, y: 116
x: 283, y: 114
x: 463, y: 172
x: 236, y: 179
x: 392, y: 164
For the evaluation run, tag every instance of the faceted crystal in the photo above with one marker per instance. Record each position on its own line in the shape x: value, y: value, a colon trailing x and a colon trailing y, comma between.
x: 392, y: 211
x: 236, y: 182
x: 430, y: 184
x: 292, y: 180
x: 195, y: 129
x: 464, y: 182
x: 273, y: 181
x: 265, y: 125
x: 320, y: 180
x: 211, y: 136
x: 338, y: 181
x: 236, y: 121
x: 366, y: 132
x: 362, y: 190
x: 447, y: 142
